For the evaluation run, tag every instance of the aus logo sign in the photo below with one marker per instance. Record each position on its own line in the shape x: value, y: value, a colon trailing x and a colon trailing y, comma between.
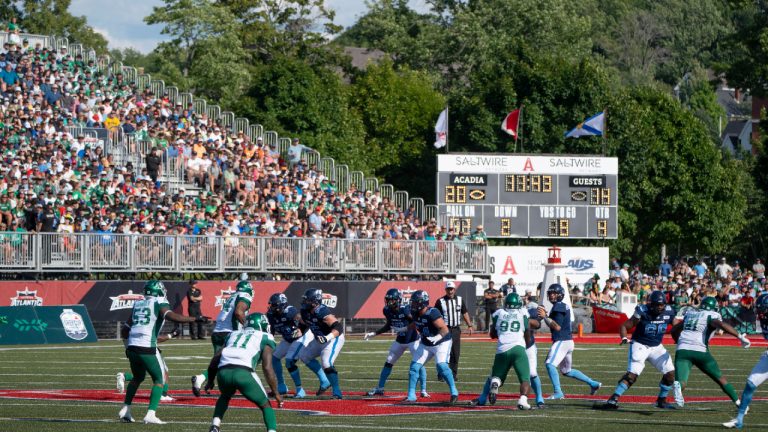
x: 581, y: 264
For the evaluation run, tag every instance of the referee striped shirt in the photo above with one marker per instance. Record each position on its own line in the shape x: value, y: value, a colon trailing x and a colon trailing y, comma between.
x: 452, y: 309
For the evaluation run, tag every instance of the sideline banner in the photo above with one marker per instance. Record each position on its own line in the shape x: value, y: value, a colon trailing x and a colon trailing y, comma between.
x: 27, y: 325
x: 113, y: 300
x: 524, y: 264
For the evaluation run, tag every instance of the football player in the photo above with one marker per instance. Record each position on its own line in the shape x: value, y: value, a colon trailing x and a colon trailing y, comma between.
x: 435, y: 342
x: 650, y: 322
x: 128, y: 376
x: 399, y: 320
x: 233, y: 367
x: 328, y: 338
x: 759, y: 373
x: 560, y: 354
x: 231, y: 317
x: 532, y: 351
x: 283, y: 320
x: 146, y: 321
x: 692, y: 336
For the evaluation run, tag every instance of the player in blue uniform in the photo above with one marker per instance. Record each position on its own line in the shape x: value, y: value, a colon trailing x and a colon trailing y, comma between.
x: 283, y: 320
x: 560, y: 355
x: 328, y: 337
x: 759, y: 373
x: 650, y: 322
x: 435, y: 342
x: 399, y: 320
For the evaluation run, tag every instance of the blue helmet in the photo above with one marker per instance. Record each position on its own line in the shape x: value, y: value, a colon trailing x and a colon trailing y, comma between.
x: 557, y: 290
x: 312, y: 297
x: 657, y: 302
x: 393, y: 298
x: 278, y: 302
x: 761, y: 307
x: 419, y: 300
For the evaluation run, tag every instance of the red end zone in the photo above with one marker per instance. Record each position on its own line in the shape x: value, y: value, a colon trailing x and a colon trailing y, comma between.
x: 368, y: 407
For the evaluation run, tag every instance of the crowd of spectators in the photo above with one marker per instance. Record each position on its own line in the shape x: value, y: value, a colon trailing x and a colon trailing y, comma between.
x: 51, y: 181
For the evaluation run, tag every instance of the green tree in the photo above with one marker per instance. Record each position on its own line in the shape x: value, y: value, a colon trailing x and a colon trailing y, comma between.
x: 52, y: 17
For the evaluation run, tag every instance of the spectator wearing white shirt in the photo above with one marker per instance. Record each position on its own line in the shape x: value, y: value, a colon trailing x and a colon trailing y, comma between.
x: 723, y: 270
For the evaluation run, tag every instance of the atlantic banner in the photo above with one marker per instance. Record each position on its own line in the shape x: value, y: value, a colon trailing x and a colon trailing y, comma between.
x: 113, y: 300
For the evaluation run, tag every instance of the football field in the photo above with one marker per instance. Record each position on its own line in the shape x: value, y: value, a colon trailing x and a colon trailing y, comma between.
x: 72, y: 388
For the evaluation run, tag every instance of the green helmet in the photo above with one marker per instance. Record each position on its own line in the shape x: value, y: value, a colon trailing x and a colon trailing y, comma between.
x: 513, y: 301
x: 154, y: 288
x: 257, y: 321
x: 708, y: 303
x: 245, y: 287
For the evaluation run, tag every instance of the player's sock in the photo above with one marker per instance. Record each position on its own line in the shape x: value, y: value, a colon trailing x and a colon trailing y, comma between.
x: 154, y: 397
x: 423, y: 379
x: 664, y: 390
x: 296, y: 376
x: 270, y: 420
x: 536, y: 386
x: 205, y: 374
x: 317, y: 368
x: 620, y: 389
x: 413, y: 376
x: 216, y: 421
x: 730, y: 391
x: 483, y: 398
x: 130, y: 392
x: 128, y: 376
x: 448, y: 376
x: 165, y: 389
x: 554, y: 376
x: 278, y: 371
x: 746, y: 399
x: 333, y: 377
x: 385, y: 371
x: 579, y: 375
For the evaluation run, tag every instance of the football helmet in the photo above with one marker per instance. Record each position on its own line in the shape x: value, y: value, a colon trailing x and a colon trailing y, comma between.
x: 708, y: 304
x: 244, y: 287
x: 393, y: 298
x: 257, y: 321
x: 657, y: 302
x: 761, y: 307
x: 278, y: 302
x: 154, y: 288
x: 557, y: 291
x: 312, y: 297
x: 419, y: 300
x: 513, y: 301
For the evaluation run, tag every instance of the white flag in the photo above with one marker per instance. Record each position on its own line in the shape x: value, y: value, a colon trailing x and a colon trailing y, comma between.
x: 441, y: 129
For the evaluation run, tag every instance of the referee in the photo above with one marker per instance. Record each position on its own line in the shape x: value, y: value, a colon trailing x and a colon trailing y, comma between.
x: 454, y: 309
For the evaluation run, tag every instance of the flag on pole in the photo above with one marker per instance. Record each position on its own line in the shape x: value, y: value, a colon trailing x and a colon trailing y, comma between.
x: 441, y: 129
x: 593, y: 126
x: 511, y: 123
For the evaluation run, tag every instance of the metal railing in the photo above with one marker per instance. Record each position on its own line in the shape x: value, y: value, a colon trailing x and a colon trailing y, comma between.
x: 110, y: 252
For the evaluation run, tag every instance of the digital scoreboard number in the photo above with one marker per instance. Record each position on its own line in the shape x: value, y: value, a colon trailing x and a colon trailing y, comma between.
x: 529, y: 196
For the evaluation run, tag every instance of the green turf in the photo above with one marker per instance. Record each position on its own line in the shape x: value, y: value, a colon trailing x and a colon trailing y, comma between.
x: 94, y: 366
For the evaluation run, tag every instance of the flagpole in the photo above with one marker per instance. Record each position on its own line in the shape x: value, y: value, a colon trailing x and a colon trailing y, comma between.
x: 447, y: 145
x: 522, y: 138
x: 605, y: 129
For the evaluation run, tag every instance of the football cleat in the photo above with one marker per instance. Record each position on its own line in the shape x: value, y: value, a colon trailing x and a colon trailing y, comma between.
x: 376, y: 392
x: 300, y: 394
x: 322, y: 390
x: 556, y: 396
x: 166, y: 398
x: 540, y: 405
x: 610, y: 404
x: 152, y: 419
x: 338, y: 396
x: 214, y: 429
x: 733, y: 424
x: 522, y: 403
x: 661, y: 404
x: 197, y: 382
x: 425, y: 395
x: 407, y: 399
x: 125, y: 415
x: 593, y: 390
x: 120, y: 378
x: 454, y: 399
x: 494, y: 393
x: 677, y: 390
x: 476, y: 402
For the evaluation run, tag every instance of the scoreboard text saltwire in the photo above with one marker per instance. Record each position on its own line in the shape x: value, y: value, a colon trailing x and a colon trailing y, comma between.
x: 529, y: 196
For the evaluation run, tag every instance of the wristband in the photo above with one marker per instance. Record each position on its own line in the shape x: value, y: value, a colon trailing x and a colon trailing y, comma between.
x: 329, y: 337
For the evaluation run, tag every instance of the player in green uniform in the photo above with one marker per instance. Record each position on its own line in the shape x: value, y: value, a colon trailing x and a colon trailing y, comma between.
x: 231, y: 317
x: 146, y: 321
x: 692, y: 336
x: 234, y: 368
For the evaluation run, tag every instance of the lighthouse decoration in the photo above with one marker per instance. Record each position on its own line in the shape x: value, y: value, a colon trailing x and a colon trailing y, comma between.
x: 554, y: 272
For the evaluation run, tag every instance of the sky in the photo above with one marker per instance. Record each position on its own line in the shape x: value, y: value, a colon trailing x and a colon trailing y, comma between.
x: 122, y: 23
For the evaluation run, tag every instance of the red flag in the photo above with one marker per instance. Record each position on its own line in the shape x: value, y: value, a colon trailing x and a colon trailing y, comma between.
x: 511, y: 122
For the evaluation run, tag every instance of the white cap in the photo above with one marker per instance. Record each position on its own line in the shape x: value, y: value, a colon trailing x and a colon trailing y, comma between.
x: 450, y: 284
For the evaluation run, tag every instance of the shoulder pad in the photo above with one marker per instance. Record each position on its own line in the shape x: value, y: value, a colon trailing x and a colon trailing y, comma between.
x: 560, y: 307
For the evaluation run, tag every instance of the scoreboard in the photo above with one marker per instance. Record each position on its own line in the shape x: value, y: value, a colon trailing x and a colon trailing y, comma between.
x: 537, y: 196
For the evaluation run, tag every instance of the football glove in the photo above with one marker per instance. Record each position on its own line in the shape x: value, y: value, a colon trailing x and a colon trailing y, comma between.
x: 369, y: 336
x: 435, y: 339
x: 175, y: 333
x: 202, y: 319
x: 745, y: 343
x: 296, y: 333
x: 321, y: 339
x: 624, y: 341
